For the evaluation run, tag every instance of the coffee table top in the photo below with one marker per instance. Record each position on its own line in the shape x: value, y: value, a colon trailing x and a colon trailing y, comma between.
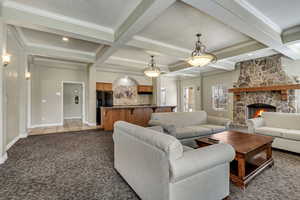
x: 241, y: 142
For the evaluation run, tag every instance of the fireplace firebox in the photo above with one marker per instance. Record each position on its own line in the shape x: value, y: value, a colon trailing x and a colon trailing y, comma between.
x: 255, y: 110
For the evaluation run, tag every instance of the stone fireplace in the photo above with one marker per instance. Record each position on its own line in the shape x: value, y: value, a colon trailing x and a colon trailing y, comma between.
x: 261, y: 73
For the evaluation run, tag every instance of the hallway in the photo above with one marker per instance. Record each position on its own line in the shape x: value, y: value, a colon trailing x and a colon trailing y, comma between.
x: 70, y: 125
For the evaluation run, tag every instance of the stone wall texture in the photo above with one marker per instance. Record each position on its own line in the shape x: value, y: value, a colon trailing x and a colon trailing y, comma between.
x: 260, y: 72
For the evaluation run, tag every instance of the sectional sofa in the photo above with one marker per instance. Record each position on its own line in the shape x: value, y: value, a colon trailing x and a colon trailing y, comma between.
x: 284, y: 127
x: 158, y: 167
x: 187, y: 126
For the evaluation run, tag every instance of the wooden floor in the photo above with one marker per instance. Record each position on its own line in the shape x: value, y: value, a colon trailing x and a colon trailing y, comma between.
x: 69, y: 125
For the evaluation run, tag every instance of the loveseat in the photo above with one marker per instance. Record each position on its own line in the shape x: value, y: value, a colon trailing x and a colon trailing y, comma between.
x: 187, y: 126
x: 284, y: 127
x: 158, y: 167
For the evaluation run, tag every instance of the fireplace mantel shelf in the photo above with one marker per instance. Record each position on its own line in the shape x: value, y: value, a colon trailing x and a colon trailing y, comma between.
x: 282, y: 88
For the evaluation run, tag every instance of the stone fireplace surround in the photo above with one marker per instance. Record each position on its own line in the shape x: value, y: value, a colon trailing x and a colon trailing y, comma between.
x: 261, y: 72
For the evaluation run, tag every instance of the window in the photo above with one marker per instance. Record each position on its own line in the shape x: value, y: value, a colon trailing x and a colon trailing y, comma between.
x: 189, y: 99
x: 163, y: 96
x: 220, y: 97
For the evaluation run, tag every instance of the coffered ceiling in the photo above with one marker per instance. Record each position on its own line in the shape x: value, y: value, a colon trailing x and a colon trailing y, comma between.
x: 120, y: 36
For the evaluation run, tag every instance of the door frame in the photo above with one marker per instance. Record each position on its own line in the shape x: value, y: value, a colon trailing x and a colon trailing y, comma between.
x: 83, y: 99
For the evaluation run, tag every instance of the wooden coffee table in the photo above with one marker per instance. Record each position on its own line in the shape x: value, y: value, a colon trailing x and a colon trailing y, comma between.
x: 253, y: 154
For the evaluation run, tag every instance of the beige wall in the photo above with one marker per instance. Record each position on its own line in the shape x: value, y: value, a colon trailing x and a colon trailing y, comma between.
x: 109, y: 77
x: 208, y: 81
x: 170, y: 84
x: 15, y: 110
x: 46, y: 92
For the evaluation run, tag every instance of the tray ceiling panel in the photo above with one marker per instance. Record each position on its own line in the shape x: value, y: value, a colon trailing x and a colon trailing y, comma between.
x: 179, y: 24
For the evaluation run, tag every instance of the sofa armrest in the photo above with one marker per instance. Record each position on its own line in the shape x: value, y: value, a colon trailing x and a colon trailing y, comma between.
x: 219, y: 121
x: 167, y: 127
x: 255, y: 123
x: 201, y: 159
x: 154, y: 122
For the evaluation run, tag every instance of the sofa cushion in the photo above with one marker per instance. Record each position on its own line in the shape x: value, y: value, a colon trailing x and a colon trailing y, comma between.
x: 192, y: 131
x: 214, y: 128
x: 181, y: 119
x: 292, y: 134
x: 275, y: 132
x: 282, y: 120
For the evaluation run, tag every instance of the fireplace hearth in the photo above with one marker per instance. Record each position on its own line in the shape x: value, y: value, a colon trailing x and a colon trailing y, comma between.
x: 255, y: 110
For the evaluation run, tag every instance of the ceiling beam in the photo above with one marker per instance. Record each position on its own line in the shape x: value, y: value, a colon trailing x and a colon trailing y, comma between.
x: 34, y: 18
x: 243, y: 17
x: 160, y: 47
x: 142, y: 16
x: 60, y: 53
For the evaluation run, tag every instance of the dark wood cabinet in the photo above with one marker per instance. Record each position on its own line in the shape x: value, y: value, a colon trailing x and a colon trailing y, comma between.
x: 104, y: 87
x: 145, y: 89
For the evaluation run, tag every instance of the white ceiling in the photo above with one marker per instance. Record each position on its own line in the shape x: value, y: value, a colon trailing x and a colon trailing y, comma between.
x: 107, y: 13
x: 236, y: 30
x: 143, y: 55
x: 40, y: 38
x: 285, y: 13
x: 179, y: 24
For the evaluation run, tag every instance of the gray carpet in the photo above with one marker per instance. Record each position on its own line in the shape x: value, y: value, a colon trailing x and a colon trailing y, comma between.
x: 79, y: 166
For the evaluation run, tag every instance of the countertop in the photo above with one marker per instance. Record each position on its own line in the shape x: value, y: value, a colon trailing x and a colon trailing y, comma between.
x: 137, y: 106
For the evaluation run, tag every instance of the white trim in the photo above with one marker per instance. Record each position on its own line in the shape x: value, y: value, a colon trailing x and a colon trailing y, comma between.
x: 45, y: 125
x: 259, y: 15
x: 82, y: 96
x: 43, y: 13
x: 158, y: 43
x: 43, y: 46
x: 9, y: 145
x: 91, y: 124
x: 3, y: 158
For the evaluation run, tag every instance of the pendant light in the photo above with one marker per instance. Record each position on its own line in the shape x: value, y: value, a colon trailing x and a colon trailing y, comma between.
x: 152, y: 71
x: 199, y: 56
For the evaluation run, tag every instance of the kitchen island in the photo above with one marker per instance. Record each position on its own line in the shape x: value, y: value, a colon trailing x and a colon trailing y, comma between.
x: 139, y: 115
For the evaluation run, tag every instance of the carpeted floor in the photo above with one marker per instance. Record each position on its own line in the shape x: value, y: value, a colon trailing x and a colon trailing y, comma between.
x: 79, y: 166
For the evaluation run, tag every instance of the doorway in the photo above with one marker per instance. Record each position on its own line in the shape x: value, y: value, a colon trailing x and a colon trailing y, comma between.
x: 189, y: 99
x: 73, y: 110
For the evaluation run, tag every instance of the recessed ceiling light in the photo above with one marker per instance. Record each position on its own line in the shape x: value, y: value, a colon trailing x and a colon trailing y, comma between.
x: 65, y: 39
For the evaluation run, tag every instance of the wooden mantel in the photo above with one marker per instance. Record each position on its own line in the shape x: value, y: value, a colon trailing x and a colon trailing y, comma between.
x: 282, y: 88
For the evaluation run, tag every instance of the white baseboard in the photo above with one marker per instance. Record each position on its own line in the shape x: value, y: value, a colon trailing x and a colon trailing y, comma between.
x: 73, y: 117
x: 3, y: 158
x: 91, y: 124
x: 45, y: 125
x: 24, y: 135
x: 12, y: 143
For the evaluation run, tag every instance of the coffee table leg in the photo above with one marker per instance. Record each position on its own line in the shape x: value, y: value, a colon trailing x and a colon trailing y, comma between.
x: 269, y: 152
x: 241, y: 167
x: 242, y: 171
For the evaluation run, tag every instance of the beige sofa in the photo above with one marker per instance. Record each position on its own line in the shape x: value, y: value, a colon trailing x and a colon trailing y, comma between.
x: 158, y: 167
x: 284, y: 127
x: 187, y: 126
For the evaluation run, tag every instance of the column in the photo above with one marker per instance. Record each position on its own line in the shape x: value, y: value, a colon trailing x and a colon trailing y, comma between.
x: 3, y: 37
x: 23, y: 68
x: 92, y: 95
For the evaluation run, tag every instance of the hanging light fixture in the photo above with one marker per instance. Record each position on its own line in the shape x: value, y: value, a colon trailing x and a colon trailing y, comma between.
x: 199, y: 56
x: 152, y: 71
